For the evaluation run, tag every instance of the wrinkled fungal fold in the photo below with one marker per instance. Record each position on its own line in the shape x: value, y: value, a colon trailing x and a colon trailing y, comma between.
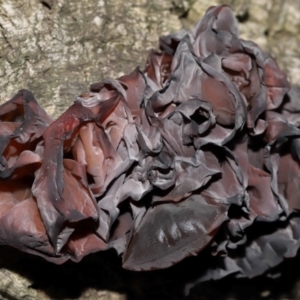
x: 191, y: 153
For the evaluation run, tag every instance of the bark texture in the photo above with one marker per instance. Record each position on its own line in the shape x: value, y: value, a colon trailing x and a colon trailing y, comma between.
x: 56, y: 48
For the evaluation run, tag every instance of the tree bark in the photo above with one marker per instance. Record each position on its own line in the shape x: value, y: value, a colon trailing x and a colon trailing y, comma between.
x: 56, y: 48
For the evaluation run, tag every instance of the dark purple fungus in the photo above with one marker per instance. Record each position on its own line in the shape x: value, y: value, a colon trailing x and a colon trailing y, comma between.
x: 196, y: 151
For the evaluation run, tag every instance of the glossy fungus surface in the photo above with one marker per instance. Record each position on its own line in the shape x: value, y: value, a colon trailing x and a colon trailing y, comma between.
x: 194, y: 152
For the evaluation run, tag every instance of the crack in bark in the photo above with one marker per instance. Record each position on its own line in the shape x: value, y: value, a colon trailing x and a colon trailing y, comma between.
x: 5, y: 37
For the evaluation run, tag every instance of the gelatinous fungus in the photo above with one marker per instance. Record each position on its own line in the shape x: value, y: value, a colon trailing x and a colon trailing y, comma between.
x: 190, y: 153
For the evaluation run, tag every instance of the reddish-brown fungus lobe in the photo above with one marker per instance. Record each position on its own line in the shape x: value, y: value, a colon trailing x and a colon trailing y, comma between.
x: 191, y: 153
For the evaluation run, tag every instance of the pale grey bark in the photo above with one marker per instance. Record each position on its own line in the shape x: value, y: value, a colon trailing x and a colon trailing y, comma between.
x: 56, y: 48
